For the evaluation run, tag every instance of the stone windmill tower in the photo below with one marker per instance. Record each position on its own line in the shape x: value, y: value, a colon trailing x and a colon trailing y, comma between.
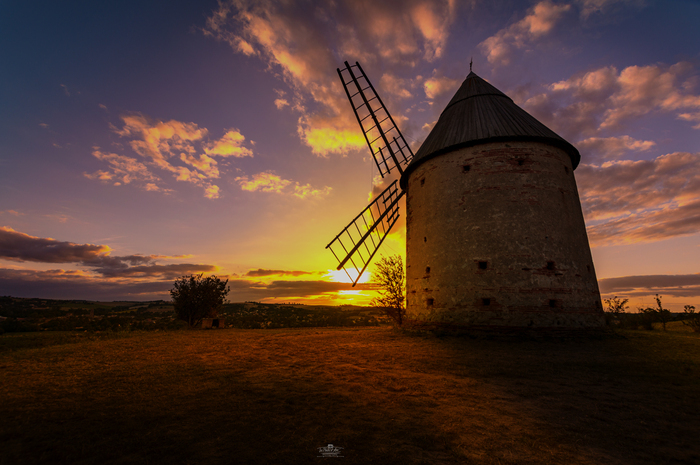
x: 495, y: 236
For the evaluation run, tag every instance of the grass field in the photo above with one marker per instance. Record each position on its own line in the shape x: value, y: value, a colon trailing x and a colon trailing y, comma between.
x: 275, y: 396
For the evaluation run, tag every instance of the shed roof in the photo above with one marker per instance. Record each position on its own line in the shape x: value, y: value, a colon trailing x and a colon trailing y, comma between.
x: 479, y: 113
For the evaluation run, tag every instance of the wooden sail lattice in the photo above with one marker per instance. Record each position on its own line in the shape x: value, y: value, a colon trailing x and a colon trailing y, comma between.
x: 355, y: 245
x: 385, y: 141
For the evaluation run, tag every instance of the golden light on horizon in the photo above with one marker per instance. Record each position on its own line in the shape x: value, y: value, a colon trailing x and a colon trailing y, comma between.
x: 340, y: 276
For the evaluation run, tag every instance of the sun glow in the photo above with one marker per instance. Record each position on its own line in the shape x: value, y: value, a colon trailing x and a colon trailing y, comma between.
x: 340, y: 276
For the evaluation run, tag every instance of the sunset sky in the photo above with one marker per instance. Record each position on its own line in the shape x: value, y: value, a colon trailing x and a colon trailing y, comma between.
x: 142, y: 141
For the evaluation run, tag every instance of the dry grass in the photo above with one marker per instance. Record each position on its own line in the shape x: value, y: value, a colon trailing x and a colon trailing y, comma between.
x: 275, y: 396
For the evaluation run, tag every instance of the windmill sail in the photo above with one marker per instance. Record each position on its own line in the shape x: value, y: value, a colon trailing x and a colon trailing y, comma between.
x: 355, y: 245
x: 385, y: 141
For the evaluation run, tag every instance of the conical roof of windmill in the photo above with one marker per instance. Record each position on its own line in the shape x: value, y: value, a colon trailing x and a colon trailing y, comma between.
x: 479, y: 113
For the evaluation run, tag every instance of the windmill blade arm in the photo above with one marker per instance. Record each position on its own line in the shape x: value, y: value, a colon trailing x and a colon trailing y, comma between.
x: 384, y: 139
x: 355, y: 246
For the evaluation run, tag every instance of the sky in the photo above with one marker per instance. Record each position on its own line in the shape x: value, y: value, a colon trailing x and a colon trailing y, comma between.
x: 141, y: 141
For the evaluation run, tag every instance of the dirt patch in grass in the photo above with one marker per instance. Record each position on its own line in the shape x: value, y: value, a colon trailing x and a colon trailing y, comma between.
x: 275, y: 396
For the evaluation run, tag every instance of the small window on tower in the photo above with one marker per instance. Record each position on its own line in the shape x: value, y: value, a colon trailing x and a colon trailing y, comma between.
x: 520, y: 162
x: 422, y: 181
x: 550, y: 265
x: 427, y: 269
x: 566, y: 169
x: 552, y: 303
x: 430, y: 302
x: 425, y: 239
x: 466, y: 168
x: 486, y: 301
x: 483, y: 265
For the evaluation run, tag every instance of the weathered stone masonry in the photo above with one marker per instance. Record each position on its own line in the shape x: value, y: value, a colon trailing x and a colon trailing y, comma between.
x: 495, y: 235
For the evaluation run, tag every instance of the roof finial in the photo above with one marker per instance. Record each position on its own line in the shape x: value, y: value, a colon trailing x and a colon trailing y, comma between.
x: 471, y: 61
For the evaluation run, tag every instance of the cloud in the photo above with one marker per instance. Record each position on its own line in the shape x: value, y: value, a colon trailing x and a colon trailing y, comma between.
x: 685, y: 285
x: 395, y: 85
x: 265, y: 182
x: 607, y: 99
x: 124, y: 170
x: 539, y: 22
x: 65, y: 90
x: 159, y: 140
x: 12, y: 212
x: 629, y: 201
x: 260, y: 272
x: 62, y: 284
x: 281, y: 103
x: 302, y: 45
x: 270, y: 182
x: 242, y: 289
x: 167, y: 272
x: 211, y: 192
x: 595, y: 149
x: 306, y: 191
x: 18, y: 246
x: 132, y: 277
x: 436, y: 86
x: 230, y: 145
x: 590, y: 7
x: 181, y: 149
x: 21, y: 247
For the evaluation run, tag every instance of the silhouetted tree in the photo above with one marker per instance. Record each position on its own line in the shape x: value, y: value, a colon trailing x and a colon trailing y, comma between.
x: 662, y: 314
x: 196, y: 297
x: 692, y: 319
x: 389, y: 276
x: 616, y: 306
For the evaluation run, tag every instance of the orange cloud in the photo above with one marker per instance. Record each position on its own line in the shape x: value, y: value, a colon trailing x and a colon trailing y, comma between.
x: 595, y: 149
x: 211, y: 192
x: 125, y: 170
x: 281, y: 103
x: 163, y: 145
x: 230, y: 145
x: 306, y: 191
x: 629, y: 201
x: 264, y: 182
x: 304, y: 47
x: 436, y: 86
x: 270, y: 182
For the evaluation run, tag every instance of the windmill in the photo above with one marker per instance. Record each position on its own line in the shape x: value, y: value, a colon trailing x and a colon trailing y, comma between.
x: 495, y: 235
x: 355, y: 246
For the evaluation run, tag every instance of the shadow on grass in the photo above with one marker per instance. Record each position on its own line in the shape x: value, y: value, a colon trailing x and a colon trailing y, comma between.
x: 275, y: 396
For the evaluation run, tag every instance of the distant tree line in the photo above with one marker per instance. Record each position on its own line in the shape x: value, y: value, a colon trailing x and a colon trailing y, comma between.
x: 616, y: 315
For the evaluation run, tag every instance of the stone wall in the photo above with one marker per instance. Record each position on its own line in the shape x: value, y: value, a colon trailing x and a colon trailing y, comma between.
x: 495, y: 237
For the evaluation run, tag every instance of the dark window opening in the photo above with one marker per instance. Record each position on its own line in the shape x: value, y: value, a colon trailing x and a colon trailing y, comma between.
x: 566, y: 169
x: 430, y: 302
x: 520, y: 162
x: 588, y: 267
x: 466, y: 168
x: 483, y: 265
x: 486, y: 301
x: 422, y: 181
x: 425, y: 239
x: 550, y: 265
x: 552, y: 303
x: 427, y: 269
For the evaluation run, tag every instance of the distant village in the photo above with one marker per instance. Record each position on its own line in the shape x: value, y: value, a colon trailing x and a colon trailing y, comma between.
x: 25, y: 315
